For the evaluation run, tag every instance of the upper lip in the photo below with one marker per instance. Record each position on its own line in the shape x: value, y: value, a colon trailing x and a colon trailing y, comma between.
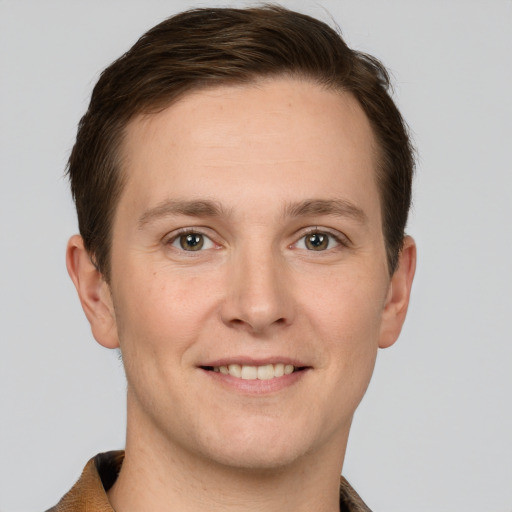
x: 254, y: 361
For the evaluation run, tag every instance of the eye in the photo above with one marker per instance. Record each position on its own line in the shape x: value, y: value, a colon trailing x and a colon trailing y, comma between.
x: 192, y: 241
x: 318, y: 241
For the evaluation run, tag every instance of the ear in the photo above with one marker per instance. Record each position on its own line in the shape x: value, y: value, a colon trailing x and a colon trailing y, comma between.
x: 94, y: 293
x: 397, y: 300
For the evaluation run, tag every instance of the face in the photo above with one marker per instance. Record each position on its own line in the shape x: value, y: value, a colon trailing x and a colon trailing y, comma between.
x: 249, y: 285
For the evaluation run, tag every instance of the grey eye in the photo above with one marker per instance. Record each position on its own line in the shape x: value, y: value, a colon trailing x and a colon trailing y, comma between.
x: 192, y: 242
x: 316, y: 241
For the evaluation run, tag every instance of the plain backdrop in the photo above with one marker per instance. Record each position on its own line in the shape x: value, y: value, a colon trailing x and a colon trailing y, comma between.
x: 434, y: 432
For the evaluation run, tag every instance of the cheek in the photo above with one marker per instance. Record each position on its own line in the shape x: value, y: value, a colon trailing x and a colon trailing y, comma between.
x: 346, y: 302
x: 160, y: 312
x: 159, y: 319
x: 347, y: 314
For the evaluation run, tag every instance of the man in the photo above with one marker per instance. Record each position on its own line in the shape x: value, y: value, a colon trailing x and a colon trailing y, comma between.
x: 242, y: 182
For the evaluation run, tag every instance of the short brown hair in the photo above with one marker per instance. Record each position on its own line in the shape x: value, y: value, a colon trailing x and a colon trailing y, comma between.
x: 215, y: 46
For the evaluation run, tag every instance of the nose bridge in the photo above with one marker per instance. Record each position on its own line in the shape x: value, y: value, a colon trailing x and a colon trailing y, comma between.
x: 258, y: 293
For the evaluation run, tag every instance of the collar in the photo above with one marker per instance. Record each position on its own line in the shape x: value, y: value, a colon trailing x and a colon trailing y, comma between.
x: 100, y: 473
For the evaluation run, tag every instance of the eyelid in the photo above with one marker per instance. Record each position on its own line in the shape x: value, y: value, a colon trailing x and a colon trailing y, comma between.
x: 340, y: 238
x: 171, y: 237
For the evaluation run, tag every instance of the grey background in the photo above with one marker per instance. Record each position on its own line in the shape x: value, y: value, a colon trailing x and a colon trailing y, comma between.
x: 434, y: 431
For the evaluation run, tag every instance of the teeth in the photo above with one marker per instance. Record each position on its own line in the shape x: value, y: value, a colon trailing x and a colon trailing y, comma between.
x: 235, y: 370
x: 249, y: 372
x: 265, y: 372
x: 288, y: 369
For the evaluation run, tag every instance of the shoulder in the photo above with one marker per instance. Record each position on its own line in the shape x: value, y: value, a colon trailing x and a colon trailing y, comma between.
x: 90, y: 491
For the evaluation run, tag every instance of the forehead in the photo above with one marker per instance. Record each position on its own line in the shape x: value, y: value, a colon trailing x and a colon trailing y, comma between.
x: 291, y: 134
x: 210, y: 114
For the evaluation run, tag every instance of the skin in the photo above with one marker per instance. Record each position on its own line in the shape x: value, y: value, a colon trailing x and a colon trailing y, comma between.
x: 253, y: 171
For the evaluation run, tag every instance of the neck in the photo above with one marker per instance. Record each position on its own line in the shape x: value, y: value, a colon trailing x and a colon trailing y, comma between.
x: 160, y: 475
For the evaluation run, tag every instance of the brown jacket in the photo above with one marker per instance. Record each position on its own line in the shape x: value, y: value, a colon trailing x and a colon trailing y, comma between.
x: 89, y: 493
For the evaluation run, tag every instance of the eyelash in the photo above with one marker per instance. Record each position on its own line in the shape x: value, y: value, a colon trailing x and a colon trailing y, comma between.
x: 339, y: 240
x: 187, y: 231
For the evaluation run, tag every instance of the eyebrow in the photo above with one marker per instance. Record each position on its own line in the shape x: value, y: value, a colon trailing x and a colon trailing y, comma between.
x: 208, y: 208
x: 335, y: 207
x: 200, y: 208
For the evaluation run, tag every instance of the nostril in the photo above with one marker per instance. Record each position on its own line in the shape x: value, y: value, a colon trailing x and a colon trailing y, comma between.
x: 255, y: 325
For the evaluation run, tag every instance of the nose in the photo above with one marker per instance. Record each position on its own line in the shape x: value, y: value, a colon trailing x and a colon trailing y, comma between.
x: 259, y: 295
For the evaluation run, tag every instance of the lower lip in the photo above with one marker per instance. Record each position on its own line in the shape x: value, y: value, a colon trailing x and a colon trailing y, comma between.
x: 256, y: 386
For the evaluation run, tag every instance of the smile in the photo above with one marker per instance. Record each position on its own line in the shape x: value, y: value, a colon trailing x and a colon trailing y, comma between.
x: 247, y: 372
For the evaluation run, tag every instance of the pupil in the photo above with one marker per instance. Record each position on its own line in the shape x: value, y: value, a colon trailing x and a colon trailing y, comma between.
x: 192, y: 241
x: 317, y: 241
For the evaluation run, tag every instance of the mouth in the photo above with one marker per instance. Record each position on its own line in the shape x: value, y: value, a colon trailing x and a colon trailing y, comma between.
x: 249, y: 372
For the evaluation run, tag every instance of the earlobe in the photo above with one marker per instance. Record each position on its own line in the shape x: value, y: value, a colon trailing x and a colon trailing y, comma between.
x: 93, y: 292
x: 397, y: 300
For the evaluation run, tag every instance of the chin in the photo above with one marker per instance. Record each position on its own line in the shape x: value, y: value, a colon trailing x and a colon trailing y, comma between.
x: 262, y: 447
x: 258, y: 458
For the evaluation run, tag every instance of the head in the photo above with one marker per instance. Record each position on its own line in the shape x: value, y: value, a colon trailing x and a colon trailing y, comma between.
x: 242, y: 180
x: 205, y: 48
